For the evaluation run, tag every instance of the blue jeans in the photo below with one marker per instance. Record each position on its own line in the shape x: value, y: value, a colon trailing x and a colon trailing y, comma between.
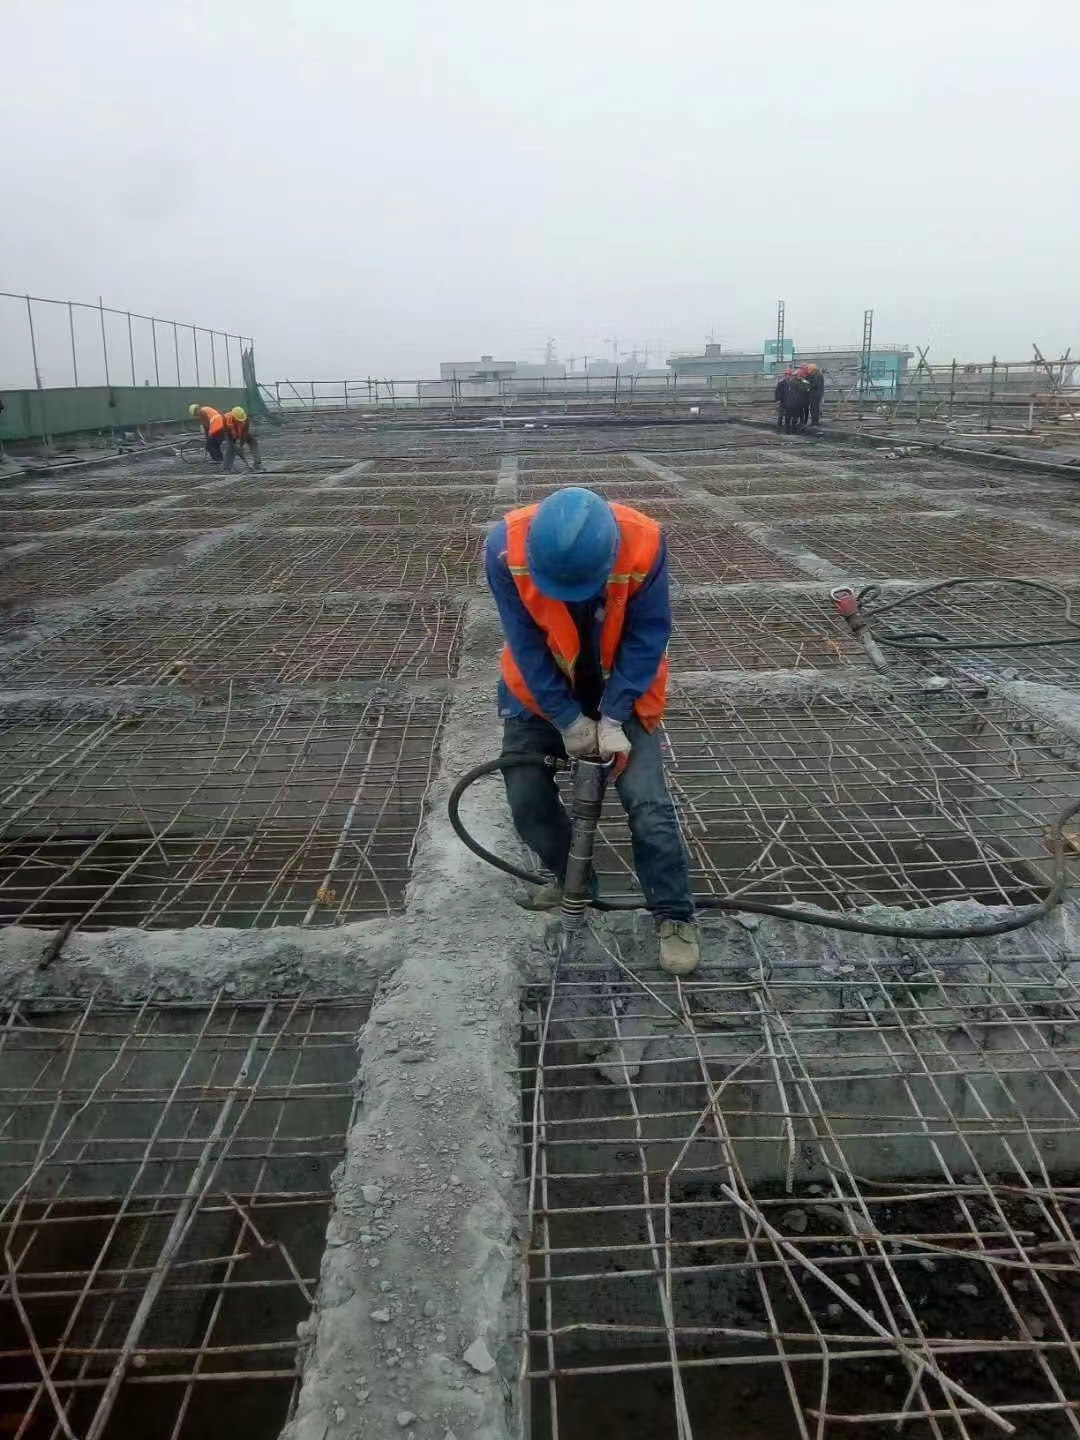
x: 660, y: 858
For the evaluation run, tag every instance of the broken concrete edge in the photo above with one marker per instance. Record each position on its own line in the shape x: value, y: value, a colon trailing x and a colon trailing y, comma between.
x: 422, y: 1261
x: 197, y: 964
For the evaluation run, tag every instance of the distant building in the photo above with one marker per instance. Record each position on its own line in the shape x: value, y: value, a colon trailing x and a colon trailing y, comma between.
x: 888, y: 363
x: 488, y: 368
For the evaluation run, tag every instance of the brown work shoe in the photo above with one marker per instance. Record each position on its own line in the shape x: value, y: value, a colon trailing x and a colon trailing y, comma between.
x: 680, y: 949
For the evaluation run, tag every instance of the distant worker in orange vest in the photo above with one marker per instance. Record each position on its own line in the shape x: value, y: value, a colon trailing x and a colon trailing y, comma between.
x: 213, y: 424
x: 238, y: 433
x: 582, y: 591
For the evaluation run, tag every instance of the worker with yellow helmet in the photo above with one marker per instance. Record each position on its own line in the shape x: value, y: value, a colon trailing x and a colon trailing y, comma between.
x: 238, y: 433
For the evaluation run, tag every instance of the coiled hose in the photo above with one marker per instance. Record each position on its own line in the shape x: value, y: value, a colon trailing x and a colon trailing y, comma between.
x: 1017, y: 921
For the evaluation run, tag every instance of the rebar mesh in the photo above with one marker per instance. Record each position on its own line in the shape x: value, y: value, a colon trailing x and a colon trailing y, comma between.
x: 60, y: 569
x: 27, y: 523
x: 312, y: 562
x: 731, y: 456
x: 386, y: 517
x: 814, y: 1201
x: 637, y: 489
x: 723, y: 554
x: 733, y: 631
x: 796, y: 505
x: 452, y: 465
x: 176, y: 518
x: 208, y: 649
x: 287, y: 814
x: 570, y: 461
x: 926, y: 549
x: 843, y: 802
x: 782, y: 481
x: 922, y: 473
x: 164, y: 1194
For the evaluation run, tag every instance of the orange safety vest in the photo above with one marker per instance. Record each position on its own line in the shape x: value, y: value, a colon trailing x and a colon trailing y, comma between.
x: 639, y: 546
x: 213, y: 421
x: 238, y: 429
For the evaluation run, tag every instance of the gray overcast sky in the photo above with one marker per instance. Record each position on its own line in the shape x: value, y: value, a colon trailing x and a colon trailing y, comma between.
x: 368, y: 190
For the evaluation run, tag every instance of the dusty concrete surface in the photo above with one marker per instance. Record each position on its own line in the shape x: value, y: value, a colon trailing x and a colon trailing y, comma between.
x: 419, y: 1322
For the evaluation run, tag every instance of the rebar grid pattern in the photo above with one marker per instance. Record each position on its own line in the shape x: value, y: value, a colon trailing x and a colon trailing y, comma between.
x: 638, y: 489
x: 428, y: 499
x: 179, y: 519
x: 59, y: 569
x: 421, y: 480
x: 796, y: 505
x: 991, y: 612
x: 319, y: 563
x: 818, y: 1201
x: 291, y: 643
x: 285, y: 814
x: 1060, y: 501
x: 589, y: 476
x: 733, y: 456
x: 723, y: 554
x: 730, y: 630
x: 583, y: 460
x: 781, y: 481
x: 949, y: 477
x: 844, y: 802
x: 924, y: 549
x: 25, y: 524
x: 456, y: 465
x: 165, y: 1185
x: 50, y: 499
x: 385, y: 517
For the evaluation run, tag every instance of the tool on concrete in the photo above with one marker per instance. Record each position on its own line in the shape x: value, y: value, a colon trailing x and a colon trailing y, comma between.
x: 847, y: 605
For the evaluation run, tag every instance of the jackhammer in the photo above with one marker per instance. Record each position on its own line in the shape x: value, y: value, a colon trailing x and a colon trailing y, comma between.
x: 588, y: 781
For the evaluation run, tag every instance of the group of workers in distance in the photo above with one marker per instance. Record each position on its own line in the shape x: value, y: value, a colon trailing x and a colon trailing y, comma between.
x: 798, y: 395
x: 226, y: 435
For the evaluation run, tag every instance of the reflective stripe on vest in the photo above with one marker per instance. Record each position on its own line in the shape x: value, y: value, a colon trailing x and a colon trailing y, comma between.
x: 639, y: 546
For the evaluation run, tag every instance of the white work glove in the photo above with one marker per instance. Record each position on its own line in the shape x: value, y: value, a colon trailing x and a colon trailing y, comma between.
x: 612, y: 740
x: 580, y: 737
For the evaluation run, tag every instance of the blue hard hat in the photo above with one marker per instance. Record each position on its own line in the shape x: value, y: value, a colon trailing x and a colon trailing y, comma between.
x: 573, y: 541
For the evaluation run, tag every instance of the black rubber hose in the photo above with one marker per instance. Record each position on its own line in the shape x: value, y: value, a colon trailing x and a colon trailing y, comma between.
x: 1017, y: 921
x: 931, y: 640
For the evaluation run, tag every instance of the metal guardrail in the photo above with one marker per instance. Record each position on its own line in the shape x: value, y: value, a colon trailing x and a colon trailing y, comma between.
x: 47, y: 343
x: 1007, y: 391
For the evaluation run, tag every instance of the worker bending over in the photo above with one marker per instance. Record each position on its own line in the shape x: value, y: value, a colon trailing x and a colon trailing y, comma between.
x: 582, y: 591
x: 238, y: 433
x: 213, y: 425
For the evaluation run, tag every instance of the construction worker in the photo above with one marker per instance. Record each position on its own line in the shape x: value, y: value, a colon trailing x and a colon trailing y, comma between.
x: 238, y: 433
x: 582, y: 591
x: 796, y: 406
x: 780, y: 396
x: 213, y: 424
x: 816, y: 379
